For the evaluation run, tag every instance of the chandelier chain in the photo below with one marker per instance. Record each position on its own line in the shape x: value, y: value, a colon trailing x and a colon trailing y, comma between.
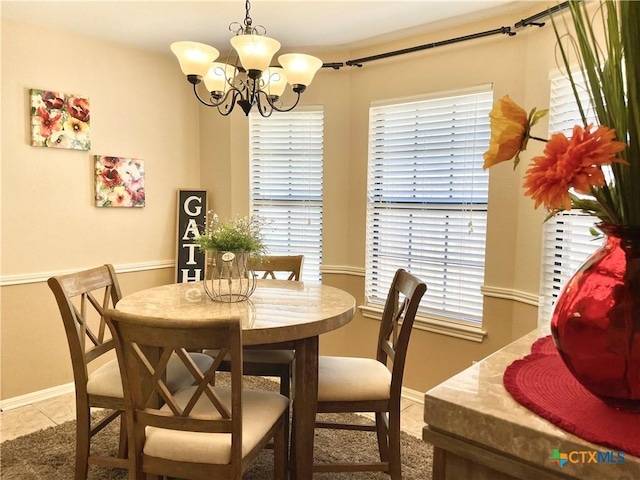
x: 247, y: 19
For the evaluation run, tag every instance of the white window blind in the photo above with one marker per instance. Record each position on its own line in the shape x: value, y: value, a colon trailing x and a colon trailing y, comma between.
x: 567, y: 241
x: 286, y: 157
x: 427, y: 199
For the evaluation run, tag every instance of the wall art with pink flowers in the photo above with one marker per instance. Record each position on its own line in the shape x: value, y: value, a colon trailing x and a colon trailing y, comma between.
x: 59, y: 120
x: 119, y: 182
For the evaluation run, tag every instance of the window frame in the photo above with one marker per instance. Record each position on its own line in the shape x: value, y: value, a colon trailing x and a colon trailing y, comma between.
x: 268, y: 198
x: 432, y: 319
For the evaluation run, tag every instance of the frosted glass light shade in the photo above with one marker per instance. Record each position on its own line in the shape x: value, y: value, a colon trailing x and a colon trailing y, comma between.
x: 219, y: 76
x: 195, y: 58
x: 255, y: 51
x: 299, y: 67
x: 275, y: 81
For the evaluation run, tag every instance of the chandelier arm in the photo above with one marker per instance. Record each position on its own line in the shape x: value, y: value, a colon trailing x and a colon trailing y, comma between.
x: 229, y: 107
x: 204, y: 102
x: 253, y: 90
x: 288, y: 109
x: 265, y: 110
x: 233, y: 91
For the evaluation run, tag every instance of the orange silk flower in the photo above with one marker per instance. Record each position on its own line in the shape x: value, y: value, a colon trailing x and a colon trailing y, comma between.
x: 575, y: 162
x: 509, y: 124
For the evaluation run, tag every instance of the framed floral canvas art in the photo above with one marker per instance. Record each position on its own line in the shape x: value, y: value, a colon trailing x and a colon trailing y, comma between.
x: 119, y: 182
x: 59, y: 120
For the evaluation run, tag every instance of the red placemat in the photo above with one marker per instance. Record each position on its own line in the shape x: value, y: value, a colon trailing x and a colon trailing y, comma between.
x: 542, y: 383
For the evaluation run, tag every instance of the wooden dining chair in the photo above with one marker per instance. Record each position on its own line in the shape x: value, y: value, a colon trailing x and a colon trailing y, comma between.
x: 272, y: 363
x: 271, y: 266
x: 261, y: 362
x: 201, y: 431
x: 82, y: 299
x: 349, y: 384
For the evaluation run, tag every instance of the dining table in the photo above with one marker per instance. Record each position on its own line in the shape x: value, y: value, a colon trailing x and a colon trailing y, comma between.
x: 280, y: 314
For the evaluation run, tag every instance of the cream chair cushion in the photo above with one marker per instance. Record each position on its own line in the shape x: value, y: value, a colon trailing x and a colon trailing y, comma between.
x: 352, y: 379
x: 106, y: 380
x: 260, y: 410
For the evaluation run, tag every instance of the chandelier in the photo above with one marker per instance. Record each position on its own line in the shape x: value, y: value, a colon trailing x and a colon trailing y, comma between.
x: 255, y: 82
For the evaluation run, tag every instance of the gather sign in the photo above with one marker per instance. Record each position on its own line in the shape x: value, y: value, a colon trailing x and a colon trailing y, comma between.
x: 192, y: 215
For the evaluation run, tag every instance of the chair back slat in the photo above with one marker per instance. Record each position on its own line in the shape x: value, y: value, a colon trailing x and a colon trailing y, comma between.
x: 99, y: 350
x: 389, y: 349
x: 84, y: 330
x: 278, y: 267
x: 398, y: 316
x: 144, y: 351
x: 152, y: 377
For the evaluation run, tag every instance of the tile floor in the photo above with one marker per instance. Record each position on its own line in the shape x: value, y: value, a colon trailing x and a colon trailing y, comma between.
x: 47, y: 413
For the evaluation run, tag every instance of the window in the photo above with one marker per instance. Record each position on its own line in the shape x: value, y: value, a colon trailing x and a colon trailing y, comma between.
x: 567, y: 241
x: 286, y: 156
x: 427, y: 199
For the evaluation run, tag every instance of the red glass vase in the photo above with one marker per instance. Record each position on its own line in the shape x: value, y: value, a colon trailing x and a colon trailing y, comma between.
x: 596, y: 322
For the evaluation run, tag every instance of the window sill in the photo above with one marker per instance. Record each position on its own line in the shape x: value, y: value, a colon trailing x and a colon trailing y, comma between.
x: 434, y: 325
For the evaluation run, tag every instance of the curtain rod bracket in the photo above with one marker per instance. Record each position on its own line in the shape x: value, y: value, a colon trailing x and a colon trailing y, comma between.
x: 334, y: 65
x: 532, y: 24
x: 531, y: 21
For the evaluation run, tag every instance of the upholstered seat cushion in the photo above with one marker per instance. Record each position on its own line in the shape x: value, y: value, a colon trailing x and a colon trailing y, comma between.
x: 106, y: 380
x: 260, y: 410
x: 283, y: 357
x: 352, y: 379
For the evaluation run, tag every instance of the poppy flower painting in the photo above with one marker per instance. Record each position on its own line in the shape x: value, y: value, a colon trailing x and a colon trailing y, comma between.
x: 59, y: 120
x: 119, y: 182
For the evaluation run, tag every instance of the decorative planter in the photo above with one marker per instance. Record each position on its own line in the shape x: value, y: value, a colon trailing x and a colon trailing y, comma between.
x: 596, y: 322
x: 228, y: 277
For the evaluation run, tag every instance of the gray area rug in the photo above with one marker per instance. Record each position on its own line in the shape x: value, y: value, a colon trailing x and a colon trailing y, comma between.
x: 49, y: 454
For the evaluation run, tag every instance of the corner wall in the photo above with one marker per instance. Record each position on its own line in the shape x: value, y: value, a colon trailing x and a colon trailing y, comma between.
x: 140, y: 107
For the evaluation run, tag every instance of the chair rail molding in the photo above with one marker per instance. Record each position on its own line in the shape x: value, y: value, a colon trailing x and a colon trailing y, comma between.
x: 342, y: 270
x: 527, y: 298
x: 24, y: 278
x: 488, y: 291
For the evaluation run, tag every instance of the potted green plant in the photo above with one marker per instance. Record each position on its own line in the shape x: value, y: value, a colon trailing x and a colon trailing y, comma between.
x: 229, y: 245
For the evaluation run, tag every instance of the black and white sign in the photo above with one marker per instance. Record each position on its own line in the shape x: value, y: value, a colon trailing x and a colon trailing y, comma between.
x: 192, y: 215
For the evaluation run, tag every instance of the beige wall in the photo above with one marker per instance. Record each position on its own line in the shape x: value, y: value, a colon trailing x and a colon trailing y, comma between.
x: 186, y: 145
x: 140, y: 108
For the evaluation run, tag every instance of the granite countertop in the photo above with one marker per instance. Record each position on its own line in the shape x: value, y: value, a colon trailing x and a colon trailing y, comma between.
x: 475, y: 405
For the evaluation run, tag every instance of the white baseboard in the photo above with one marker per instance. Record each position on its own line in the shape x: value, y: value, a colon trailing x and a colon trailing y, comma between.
x: 34, y: 397
x: 413, y: 395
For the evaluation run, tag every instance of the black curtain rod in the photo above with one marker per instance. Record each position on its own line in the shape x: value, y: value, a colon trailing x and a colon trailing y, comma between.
x: 531, y: 21
x: 525, y: 22
x: 358, y: 62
